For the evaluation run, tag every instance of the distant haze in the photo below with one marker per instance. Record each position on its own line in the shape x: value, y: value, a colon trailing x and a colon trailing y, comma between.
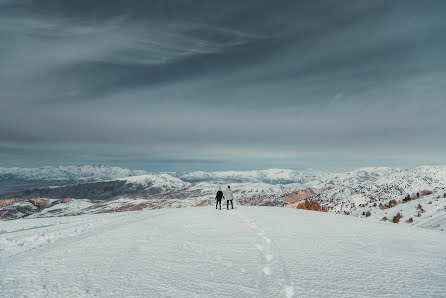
x: 218, y: 85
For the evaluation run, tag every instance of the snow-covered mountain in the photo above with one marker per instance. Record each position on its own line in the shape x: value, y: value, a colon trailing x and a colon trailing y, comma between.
x: 87, y: 173
x: 271, y: 176
x: 345, y: 193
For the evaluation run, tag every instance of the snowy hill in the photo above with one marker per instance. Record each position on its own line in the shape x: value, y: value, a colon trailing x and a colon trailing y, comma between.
x: 86, y: 173
x: 379, y: 191
x: 22, y: 178
x: 271, y: 176
x: 202, y: 252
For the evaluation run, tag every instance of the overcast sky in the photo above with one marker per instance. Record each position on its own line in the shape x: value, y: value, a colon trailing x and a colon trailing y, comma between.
x: 218, y: 85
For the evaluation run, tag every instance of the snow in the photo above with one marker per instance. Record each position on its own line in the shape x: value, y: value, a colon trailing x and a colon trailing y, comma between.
x: 163, y: 181
x: 203, y: 252
x: 433, y: 215
x: 270, y: 176
x: 86, y: 173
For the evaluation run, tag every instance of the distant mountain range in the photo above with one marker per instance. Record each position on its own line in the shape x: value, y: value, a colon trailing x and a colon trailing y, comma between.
x: 94, y: 189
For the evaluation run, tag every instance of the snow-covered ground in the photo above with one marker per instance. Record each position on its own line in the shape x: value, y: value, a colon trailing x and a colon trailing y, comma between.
x: 87, y: 173
x: 203, y: 252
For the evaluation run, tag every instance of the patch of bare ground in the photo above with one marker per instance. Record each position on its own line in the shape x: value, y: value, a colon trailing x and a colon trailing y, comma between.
x: 300, y: 195
x: 202, y: 203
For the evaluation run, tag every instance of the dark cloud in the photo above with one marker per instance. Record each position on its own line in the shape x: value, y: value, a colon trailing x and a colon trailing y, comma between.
x: 222, y: 84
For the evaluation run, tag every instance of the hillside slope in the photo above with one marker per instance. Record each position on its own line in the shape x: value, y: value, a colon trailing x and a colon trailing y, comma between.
x: 202, y: 252
x: 376, y: 193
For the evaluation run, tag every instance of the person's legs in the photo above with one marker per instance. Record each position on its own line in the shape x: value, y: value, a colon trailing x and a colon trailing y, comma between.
x: 216, y: 203
x: 219, y: 202
x: 227, y: 204
x: 232, y: 205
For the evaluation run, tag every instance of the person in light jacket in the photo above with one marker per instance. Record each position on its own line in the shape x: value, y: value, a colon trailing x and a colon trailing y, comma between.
x: 229, y: 197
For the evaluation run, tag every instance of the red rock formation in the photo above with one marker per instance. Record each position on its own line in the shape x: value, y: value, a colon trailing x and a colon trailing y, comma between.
x: 311, y: 205
x: 202, y: 203
x: 300, y: 195
x: 40, y: 203
x: 8, y: 202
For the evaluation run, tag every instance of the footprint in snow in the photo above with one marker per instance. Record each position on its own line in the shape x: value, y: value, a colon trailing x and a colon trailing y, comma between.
x: 289, y: 291
x: 267, y: 271
x: 267, y: 240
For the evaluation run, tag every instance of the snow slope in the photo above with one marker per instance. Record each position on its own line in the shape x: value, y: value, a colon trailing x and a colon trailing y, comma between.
x: 270, y: 176
x: 202, y: 252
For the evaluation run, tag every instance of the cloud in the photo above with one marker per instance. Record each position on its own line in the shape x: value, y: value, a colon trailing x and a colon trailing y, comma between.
x: 241, y: 83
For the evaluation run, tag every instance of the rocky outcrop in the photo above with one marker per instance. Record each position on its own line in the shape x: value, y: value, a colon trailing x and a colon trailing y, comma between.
x: 300, y: 195
x: 311, y: 205
x: 19, y: 207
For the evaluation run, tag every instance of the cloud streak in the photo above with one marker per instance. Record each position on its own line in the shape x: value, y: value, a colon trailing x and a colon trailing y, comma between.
x: 253, y: 84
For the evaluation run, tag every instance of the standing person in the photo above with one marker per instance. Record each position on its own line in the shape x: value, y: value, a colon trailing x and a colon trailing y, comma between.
x: 229, y: 197
x: 218, y: 198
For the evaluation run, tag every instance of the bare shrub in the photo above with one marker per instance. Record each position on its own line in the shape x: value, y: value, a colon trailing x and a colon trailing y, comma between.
x: 368, y: 214
x: 384, y: 218
x: 407, y: 199
x: 425, y: 192
x: 397, y: 217
x: 393, y: 203
x: 410, y: 220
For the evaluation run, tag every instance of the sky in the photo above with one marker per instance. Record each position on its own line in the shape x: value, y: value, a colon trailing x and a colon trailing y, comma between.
x: 223, y: 85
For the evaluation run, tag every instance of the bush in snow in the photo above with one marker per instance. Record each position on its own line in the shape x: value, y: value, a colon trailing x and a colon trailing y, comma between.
x: 368, y: 214
x: 410, y: 220
x: 393, y: 203
x: 420, y: 208
x: 425, y: 192
x: 384, y: 218
x: 407, y: 199
x: 397, y: 217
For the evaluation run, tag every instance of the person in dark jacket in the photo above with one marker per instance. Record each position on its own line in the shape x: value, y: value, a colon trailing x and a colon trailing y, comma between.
x: 218, y: 198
